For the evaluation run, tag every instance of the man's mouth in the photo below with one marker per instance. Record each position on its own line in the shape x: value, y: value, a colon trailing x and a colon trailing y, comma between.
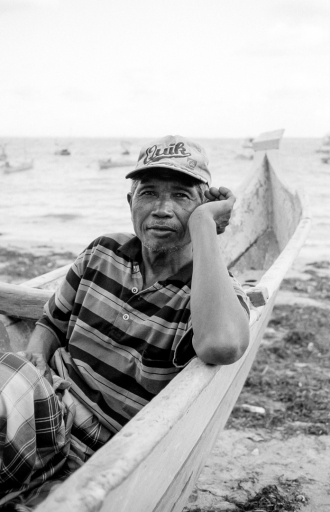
x: 161, y: 230
x: 161, y: 227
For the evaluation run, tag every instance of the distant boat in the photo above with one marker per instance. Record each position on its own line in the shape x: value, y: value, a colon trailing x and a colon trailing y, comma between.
x: 247, y: 143
x: 24, y: 166
x: 247, y: 151
x: 3, y: 156
x: 108, y: 163
x: 62, y: 152
x: 125, y: 144
x: 324, y: 149
x: 325, y: 145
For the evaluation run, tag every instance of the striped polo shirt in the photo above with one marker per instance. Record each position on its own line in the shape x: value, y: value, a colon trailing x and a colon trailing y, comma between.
x: 120, y: 344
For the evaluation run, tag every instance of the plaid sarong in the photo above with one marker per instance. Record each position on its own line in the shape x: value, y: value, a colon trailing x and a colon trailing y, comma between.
x: 45, y: 433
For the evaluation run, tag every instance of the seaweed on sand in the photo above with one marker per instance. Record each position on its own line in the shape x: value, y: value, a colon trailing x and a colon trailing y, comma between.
x: 286, y: 497
x: 290, y: 377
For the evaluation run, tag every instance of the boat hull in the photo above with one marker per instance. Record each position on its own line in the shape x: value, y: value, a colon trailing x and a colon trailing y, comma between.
x: 106, y: 164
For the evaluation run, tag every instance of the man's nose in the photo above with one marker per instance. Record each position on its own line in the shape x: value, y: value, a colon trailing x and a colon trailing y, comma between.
x: 163, y: 207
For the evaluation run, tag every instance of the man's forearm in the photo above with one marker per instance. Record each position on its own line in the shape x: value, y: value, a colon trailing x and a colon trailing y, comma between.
x: 220, y: 324
x: 43, y: 341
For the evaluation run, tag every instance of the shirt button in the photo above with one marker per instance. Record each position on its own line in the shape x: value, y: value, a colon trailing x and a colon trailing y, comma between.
x: 126, y: 316
x: 134, y: 289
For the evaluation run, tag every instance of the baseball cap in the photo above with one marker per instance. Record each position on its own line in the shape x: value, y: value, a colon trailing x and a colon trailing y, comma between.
x: 176, y: 153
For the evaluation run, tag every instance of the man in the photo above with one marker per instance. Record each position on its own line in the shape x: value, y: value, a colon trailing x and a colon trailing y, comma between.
x: 131, y: 313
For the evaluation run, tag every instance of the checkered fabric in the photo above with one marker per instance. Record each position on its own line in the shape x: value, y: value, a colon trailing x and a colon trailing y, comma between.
x: 45, y: 433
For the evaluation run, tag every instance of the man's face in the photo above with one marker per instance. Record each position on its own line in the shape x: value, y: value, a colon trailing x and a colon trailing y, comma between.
x: 160, y: 209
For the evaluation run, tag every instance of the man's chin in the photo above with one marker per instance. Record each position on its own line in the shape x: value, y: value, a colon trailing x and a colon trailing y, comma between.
x: 156, y: 247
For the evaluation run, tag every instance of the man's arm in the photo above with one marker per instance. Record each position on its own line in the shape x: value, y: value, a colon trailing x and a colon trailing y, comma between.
x: 42, y: 345
x: 43, y: 341
x: 220, y: 324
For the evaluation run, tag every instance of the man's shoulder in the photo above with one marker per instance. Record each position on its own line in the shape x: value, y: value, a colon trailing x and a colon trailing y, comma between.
x: 111, y: 241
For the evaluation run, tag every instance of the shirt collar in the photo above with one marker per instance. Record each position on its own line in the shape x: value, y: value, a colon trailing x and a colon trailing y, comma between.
x: 133, y: 250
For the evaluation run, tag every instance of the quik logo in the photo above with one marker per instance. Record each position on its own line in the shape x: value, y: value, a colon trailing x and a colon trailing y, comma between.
x: 155, y: 154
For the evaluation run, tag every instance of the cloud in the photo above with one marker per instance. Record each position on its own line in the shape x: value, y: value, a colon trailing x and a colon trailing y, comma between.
x: 301, y: 12
x: 9, y: 6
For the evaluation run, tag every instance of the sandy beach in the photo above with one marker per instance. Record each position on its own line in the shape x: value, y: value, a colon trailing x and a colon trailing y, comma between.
x: 275, y: 459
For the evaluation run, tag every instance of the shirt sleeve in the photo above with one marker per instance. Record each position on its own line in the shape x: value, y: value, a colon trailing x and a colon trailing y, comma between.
x: 58, y: 309
x: 241, y: 295
x: 184, y: 351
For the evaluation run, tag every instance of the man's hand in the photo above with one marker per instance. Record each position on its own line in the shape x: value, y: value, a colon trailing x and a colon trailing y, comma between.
x: 220, y: 204
x: 39, y: 361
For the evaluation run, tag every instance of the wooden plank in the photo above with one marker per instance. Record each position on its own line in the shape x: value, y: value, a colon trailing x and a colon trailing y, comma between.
x: 287, y: 199
x: 252, y: 210
x: 22, y: 301
x: 258, y: 295
x: 50, y: 280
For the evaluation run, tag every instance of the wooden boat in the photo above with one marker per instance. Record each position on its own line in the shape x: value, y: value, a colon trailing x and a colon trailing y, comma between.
x: 8, y: 168
x: 62, y: 152
x: 325, y: 145
x: 125, y: 144
x: 153, y: 462
x: 246, y: 152
x: 248, y: 143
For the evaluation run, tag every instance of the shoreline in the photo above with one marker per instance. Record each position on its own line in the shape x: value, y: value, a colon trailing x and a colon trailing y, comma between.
x: 38, y: 247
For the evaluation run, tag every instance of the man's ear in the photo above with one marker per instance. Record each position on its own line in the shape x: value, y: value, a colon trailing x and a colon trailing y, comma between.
x: 129, y: 199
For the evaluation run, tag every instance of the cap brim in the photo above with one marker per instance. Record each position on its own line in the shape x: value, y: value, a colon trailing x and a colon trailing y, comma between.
x: 135, y: 173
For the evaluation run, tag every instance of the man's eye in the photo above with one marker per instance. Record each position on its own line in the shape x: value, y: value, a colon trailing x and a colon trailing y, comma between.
x: 181, y: 194
x: 147, y: 193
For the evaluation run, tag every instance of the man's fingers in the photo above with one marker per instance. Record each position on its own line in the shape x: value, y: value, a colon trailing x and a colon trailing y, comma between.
x: 224, y: 191
x: 219, y: 194
x: 208, y: 195
x: 26, y: 355
x: 39, y: 362
x: 215, y: 192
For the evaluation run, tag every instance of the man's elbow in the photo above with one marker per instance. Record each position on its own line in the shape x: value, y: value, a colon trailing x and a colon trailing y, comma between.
x: 217, y: 351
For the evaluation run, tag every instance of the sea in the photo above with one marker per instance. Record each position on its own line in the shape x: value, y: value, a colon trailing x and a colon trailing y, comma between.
x: 63, y: 202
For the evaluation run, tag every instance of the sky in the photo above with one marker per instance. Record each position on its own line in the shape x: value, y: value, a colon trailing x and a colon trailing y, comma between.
x: 146, y: 68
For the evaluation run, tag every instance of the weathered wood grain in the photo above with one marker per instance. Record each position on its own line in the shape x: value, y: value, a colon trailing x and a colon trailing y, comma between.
x: 22, y: 301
